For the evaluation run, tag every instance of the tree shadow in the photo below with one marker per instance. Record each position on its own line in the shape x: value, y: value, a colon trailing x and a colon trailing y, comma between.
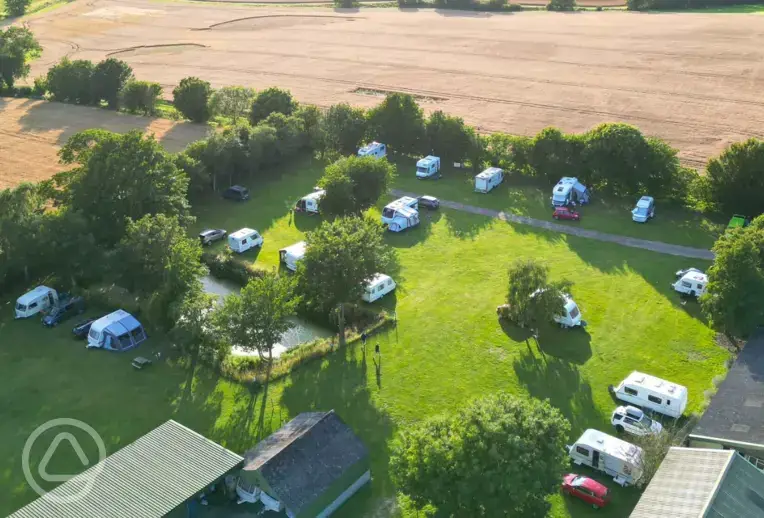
x: 305, y: 222
x: 465, y: 226
x: 569, y: 345
x: 181, y: 134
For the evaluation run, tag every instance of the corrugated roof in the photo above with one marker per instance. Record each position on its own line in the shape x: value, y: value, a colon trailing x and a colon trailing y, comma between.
x: 145, y: 479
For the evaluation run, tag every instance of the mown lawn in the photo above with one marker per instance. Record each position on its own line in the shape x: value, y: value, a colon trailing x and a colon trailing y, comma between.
x: 448, y: 348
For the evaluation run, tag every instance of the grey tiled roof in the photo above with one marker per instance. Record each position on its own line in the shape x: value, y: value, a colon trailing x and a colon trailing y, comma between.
x: 304, y: 457
x: 145, y: 479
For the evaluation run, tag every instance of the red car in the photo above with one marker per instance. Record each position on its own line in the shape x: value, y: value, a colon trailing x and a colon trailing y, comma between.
x: 566, y: 213
x: 586, y: 489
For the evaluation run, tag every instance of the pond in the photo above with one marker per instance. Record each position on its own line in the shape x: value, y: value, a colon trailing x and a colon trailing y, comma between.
x: 300, y: 333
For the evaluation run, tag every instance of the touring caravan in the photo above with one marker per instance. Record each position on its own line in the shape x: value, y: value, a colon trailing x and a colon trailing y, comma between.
x: 309, y: 204
x: 428, y: 167
x: 39, y: 299
x: 488, y: 179
x: 244, y: 239
x: 619, y: 459
x: 117, y: 331
x: 691, y: 282
x: 398, y: 218
x: 649, y: 392
x: 572, y: 314
x: 293, y: 254
x: 374, y: 149
x: 569, y: 190
x: 378, y: 287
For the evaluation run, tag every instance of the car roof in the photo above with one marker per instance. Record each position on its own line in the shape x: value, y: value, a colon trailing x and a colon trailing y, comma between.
x: 428, y: 198
x: 237, y: 188
x: 593, y: 486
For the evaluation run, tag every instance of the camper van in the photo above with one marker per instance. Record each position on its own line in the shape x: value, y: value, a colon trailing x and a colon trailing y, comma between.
x: 644, y: 211
x: 378, y: 287
x: 374, y: 149
x: 39, y: 299
x: 569, y: 190
x: 244, y: 239
x: 309, y: 204
x: 619, y: 459
x: 691, y: 282
x: 488, y: 179
x: 651, y: 393
x: 117, y: 331
x: 428, y: 167
x: 293, y: 254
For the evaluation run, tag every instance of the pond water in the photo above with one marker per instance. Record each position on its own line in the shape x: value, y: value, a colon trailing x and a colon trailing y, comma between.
x: 301, y: 331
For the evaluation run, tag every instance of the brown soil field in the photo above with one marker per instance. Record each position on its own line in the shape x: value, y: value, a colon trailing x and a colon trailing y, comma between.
x: 695, y: 80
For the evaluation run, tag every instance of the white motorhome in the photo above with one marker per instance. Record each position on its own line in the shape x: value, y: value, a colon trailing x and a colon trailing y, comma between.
x: 378, y: 287
x: 644, y: 211
x: 293, y: 254
x: 309, y: 203
x: 619, y: 459
x: 488, y: 179
x: 649, y: 392
x: 691, y: 282
x: 244, y: 239
x: 373, y: 149
x: 39, y: 299
x: 569, y: 190
x: 428, y: 167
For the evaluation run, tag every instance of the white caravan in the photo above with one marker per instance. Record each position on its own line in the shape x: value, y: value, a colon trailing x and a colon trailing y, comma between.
x: 244, y: 239
x: 39, y: 299
x: 691, y: 282
x: 428, y: 167
x: 649, y: 392
x: 488, y: 179
x: 619, y: 459
x: 293, y: 254
x: 399, y: 217
x: 309, y: 203
x: 572, y: 314
x: 569, y: 190
x: 374, y: 149
x: 378, y: 287
x: 644, y: 211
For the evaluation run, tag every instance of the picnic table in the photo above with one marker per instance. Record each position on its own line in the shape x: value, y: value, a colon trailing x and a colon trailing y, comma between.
x: 141, y: 362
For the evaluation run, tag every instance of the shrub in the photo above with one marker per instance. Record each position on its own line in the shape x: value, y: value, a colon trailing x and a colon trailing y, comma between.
x: 71, y: 81
x: 109, y: 77
x: 345, y: 4
x: 40, y: 86
x: 561, y: 5
x: 24, y: 91
x: 448, y: 137
x: 140, y: 97
x: 734, y: 180
x: 191, y: 98
x: 232, y: 101
x: 271, y: 100
x: 224, y: 266
x: 398, y: 122
x: 16, y: 7
x: 344, y: 127
x: 497, y: 5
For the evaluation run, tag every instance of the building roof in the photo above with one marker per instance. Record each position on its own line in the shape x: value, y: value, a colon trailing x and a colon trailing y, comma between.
x: 303, y: 458
x: 703, y: 483
x: 145, y: 479
x: 736, y: 412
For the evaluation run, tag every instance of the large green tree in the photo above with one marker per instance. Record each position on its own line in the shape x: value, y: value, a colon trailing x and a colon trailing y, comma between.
x: 191, y: 97
x: 72, y: 81
x: 368, y: 179
x: 734, y: 180
x: 448, y: 137
x: 109, y: 77
x: 17, y: 47
x: 271, y: 100
x: 533, y: 299
x: 554, y: 154
x: 734, y: 302
x: 140, y: 97
x: 21, y: 211
x: 399, y: 123
x: 341, y: 257
x: 16, y: 7
x: 499, y: 456
x: 233, y: 102
x: 344, y: 127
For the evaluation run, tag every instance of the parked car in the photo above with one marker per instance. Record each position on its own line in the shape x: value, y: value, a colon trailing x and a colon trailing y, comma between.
x: 632, y: 420
x: 210, y: 235
x: 429, y: 202
x: 566, y: 213
x: 586, y: 489
x: 237, y: 193
x: 65, y: 309
x: 82, y: 328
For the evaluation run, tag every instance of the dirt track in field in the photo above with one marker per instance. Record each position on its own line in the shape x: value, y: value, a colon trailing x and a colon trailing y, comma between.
x: 693, y: 79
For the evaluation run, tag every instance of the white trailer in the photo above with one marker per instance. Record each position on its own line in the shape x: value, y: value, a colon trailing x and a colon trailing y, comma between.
x: 32, y: 302
x: 428, y: 167
x: 373, y: 149
x: 571, y: 316
x: 309, y: 204
x: 244, y: 239
x: 619, y: 459
x: 378, y: 287
x: 691, y: 282
x: 293, y: 254
x: 569, y: 190
x: 488, y: 179
x: 649, y: 392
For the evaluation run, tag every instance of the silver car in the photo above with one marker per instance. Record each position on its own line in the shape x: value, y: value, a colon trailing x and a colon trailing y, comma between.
x: 210, y: 235
x: 632, y: 420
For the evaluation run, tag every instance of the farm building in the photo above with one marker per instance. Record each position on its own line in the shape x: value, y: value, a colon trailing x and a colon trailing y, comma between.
x: 307, y: 468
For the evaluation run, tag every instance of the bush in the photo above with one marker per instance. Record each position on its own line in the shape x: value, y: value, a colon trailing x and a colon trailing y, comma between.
x: 224, y: 266
x: 140, y: 97
x: 109, y: 77
x: 497, y: 5
x: 345, y: 4
x: 40, y: 86
x: 271, y: 100
x: 398, y: 122
x: 561, y: 5
x: 16, y: 7
x: 71, y: 81
x: 448, y: 137
x: 191, y: 98
x: 24, y: 91
x: 734, y: 180
x: 344, y: 127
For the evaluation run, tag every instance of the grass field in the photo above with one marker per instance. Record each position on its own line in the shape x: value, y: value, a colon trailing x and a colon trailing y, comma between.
x: 448, y: 348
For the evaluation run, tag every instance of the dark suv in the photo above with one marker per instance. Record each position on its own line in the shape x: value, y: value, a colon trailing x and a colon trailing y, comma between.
x: 237, y: 193
x: 65, y: 310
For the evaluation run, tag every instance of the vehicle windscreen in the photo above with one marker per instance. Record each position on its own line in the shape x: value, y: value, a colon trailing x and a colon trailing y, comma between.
x: 21, y: 307
x: 646, y: 422
x: 641, y: 211
x: 577, y: 481
x: 420, y: 169
x: 387, y: 212
x: 560, y: 198
x: 574, y: 312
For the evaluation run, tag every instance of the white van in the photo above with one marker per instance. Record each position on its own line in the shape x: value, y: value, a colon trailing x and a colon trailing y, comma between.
x: 691, y: 282
x: 244, y: 239
x: 428, y: 167
x: 374, y: 149
x: 378, y: 287
x: 619, y: 459
x: 39, y: 299
x: 293, y: 254
x: 652, y: 393
x: 309, y: 204
x: 488, y: 179
x: 569, y: 190
x: 644, y: 211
